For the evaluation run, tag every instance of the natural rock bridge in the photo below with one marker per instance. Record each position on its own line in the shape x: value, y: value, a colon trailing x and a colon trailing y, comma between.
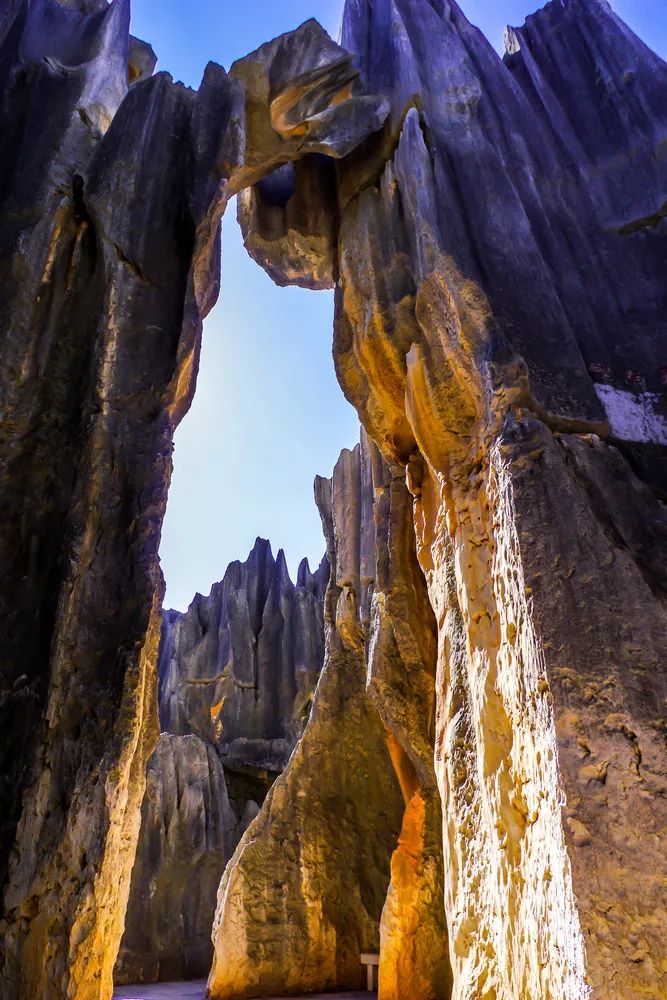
x: 492, y: 702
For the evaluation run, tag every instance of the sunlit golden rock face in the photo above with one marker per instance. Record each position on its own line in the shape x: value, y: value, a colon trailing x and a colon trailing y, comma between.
x: 414, y: 958
x: 509, y: 896
x: 502, y: 356
x: 303, y: 896
x: 534, y: 715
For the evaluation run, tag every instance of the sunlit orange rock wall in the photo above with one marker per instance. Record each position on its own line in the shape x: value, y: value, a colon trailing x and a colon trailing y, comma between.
x: 309, y: 887
x: 500, y: 328
x: 540, y: 547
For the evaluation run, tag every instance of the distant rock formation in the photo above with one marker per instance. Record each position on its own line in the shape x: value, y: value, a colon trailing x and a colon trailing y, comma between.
x: 237, y: 674
x: 240, y: 666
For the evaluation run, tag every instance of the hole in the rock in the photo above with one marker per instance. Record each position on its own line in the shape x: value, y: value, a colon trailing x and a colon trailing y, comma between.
x: 237, y: 668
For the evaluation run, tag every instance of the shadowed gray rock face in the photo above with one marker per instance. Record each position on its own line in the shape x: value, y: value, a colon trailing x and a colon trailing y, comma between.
x: 112, y: 185
x: 237, y: 674
x: 188, y: 833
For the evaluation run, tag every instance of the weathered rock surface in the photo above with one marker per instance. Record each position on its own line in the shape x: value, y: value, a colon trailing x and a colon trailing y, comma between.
x: 212, y: 770
x: 188, y: 833
x: 110, y: 202
x: 500, y: 328
x: 304, y: 893
x: 499, y: 252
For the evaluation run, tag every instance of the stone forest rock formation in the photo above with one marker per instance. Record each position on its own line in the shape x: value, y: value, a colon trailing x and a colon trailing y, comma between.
x: 188, y: 834
x: 237, y: 673
x: 496, y: 233
x: 239, y: 668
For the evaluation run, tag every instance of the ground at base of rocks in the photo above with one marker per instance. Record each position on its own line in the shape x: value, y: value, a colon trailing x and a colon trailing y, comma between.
x: 196, y: 991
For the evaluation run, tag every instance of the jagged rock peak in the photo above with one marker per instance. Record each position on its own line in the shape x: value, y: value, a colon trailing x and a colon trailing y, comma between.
x: 88, y: 43
x: 315, y: 582
x: 242, y: 663
x: 256, y: 574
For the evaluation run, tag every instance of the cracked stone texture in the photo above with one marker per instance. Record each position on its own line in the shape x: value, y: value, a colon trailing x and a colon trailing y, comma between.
x: 213, y: 767
x: 110, y: 202
x: 500, y: 328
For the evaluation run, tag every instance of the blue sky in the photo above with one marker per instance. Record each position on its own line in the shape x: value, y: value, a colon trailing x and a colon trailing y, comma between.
x: 268, y: 414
